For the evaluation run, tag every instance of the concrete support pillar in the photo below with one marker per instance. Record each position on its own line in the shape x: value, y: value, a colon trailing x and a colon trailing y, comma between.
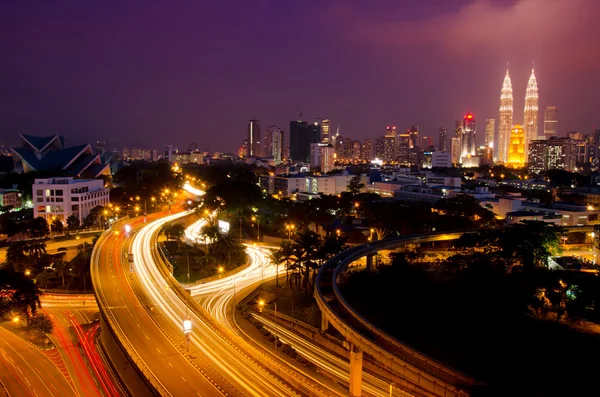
x: 356, y: 357
x: 370, y: 262
x: 324, y: 322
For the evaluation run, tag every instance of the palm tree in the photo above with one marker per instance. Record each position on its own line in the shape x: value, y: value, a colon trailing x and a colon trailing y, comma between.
x: 306, y: 245
x: 15, y: 254
x: 287, y: 255
x: 276, y: 257
x: 211, y: 235
x: 36, y: 247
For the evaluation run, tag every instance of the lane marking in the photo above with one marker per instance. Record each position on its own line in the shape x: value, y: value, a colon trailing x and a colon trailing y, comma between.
x: 184, y: 379
x: 158, y: 351
x: 147, y: 337
x: 170, y: 364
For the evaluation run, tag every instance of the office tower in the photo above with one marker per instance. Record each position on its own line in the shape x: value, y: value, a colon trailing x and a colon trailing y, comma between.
x: 348, y: 149
x: 575, y: 135
x: 468, y: 137
x: 302, y: 134
x: 254, y: 148
x: 356, y: 151
x: 379, y: 149
x: 389, y: 150
x: 315, y: 153
x: 443, y: 140
x: 516, y: 147
x: 537, y: 158
x: 506, y: 118
x: 403, y: 154
x: 367, y: 150
x: 275, y: 139
x: 490, y: 130
x: 455, y: 149
x: 414, y: 136
x: 327, y: 158
x: 285, y: 152
x: 325, y: 131
x: 425, y: 142
x: 531, y: 110
x: 458, y: 129
x: 551, y: 122
x: 168, y: 154
x: 243, y: 150
x: 340, y: 150
x: 562, y: 154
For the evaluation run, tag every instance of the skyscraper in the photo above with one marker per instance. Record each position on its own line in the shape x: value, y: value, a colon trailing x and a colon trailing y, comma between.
x: 273, y: 142
x: 367, y: 150
x: 455, y: 150
x: 531, y: 110
x: 414, y: 136
x: 516, y: 147
x: 490, y: 130
x: 325, y: 131
x: 403, y: 147
x: 506, y: 118
x: 551, y: 122
x: 443, y: 139
x: 468, y: 137
x: 356, y: 151
x: 254, y: 147
x: 302, y: 135
x: 390, y: 151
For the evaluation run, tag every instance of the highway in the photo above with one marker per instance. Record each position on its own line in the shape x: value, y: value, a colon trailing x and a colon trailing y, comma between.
x: 156, y: 346
x: 26, y: 371
x: 238, y: 368
x: 217, y: 297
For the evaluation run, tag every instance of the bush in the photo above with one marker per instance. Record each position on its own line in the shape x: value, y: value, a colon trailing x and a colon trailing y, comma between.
x: 258, y: 325
x: 265, y: 332
x: 42, y: 323
x: 271, y: 338
x: 301, y: 360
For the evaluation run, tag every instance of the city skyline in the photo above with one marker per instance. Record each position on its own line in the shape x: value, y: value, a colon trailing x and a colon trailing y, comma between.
x: 81, y: 83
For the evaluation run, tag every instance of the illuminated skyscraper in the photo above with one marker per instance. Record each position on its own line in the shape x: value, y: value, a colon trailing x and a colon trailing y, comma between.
x: 468, y: 137
x: 455, y: 150
x: 490, y: 130
x: 254, y: 147
x: 325, y: 131
x: 551, y: 122
x: 414, y: 136
x: 443, y: 140
x: 516, y: 147
x: 356, y: 151
x: 389, y: 149
x: 506, y: 119
x: 367, y: 150
x: 531, y: 110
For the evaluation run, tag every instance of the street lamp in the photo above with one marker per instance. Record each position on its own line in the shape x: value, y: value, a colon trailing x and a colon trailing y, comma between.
x: 261, y: 303
x: 289, y: 229
x: 371, y: 236
x: 28, y: 272
x: 337, y: 232
x: 257, y: 219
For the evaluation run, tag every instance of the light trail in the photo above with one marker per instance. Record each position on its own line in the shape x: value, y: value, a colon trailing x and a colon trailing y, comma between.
x: 246, y: 373
x: 217, y: 297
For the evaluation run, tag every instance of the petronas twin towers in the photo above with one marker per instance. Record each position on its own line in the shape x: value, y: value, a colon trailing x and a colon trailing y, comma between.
x: 530, y: 122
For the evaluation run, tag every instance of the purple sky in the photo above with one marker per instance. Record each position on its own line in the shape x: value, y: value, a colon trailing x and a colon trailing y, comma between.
x: 151, y: 72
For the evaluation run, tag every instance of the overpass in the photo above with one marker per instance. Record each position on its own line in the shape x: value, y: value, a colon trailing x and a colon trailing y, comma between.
x: 413, y: 370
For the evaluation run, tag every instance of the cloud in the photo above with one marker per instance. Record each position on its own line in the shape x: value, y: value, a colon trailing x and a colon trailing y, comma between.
x: 482, y: 24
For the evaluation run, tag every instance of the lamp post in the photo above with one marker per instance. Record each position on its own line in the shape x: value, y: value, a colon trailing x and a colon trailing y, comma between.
x: 371, y: 236
x: 240, y: 229
x: 261, y: 303
x: 257, y: 219
x: 289, y: 229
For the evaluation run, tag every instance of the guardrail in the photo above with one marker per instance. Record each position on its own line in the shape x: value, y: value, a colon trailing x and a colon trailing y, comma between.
x: 422, y: 370
x: 114, y: 328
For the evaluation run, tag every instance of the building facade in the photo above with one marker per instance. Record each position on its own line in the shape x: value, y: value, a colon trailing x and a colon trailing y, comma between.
x: 443, y: 139
x: 254, y: 137
x: 550, y: 122
x: 59, y: 198
x: 506, y: 119
x: 531, y: 110
x: 516, y: 147
x: 468, y: 137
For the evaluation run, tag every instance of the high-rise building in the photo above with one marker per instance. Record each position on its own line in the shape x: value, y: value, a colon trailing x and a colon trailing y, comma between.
x: 367, y: 150
x: 455, y: 149
x: 575, y: 135
x: 254, y: 137
x: 243, y: 150
x: 516, y: 147
x: 285, y: 154
x: 316, y: 153
x: 379, y: 149
x: 390, y: 150
x: 192, y: 146
x: 356, y: 151
x: 414, y: 136
x: 468, y: 137
x: 550, y: 122
x: 425, y: 142
x: 169, y: 153
x: 348, y: 149
x: 443, y: 140
x: 537, y: 158
x: 490, y: 131
x: 403, y: 154
x: 272, y: 142
x: 531, y: 110
x: 562, y: 154
x: 302, y: 134
x: 327, y: 158
x: 325, y: 131
x: 506, y: 119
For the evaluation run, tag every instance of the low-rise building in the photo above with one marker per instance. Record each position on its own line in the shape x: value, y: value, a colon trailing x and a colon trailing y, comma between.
x: 59, y: 198
x: 415, y: 194
x: 10, y: 198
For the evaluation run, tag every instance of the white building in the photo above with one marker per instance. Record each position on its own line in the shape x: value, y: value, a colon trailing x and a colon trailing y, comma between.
x: 63, y: 197
x: 441, y: 160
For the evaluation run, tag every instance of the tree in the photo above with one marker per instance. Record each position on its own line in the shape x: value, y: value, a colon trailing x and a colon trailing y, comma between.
x: 276, y: 257
x: 18, y: 293
x: 57, y: 226
x: 42, y: 323
x: 15, y: 254
x: 306, y: 245
x: 36, y: 248
x: 73, y: 222
x: 38, y: 227
x: 62, y: 268
x: 355, y: 184
x: 174, y: 231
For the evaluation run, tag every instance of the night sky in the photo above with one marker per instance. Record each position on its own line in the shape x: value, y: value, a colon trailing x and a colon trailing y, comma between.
x: 150, y: 73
